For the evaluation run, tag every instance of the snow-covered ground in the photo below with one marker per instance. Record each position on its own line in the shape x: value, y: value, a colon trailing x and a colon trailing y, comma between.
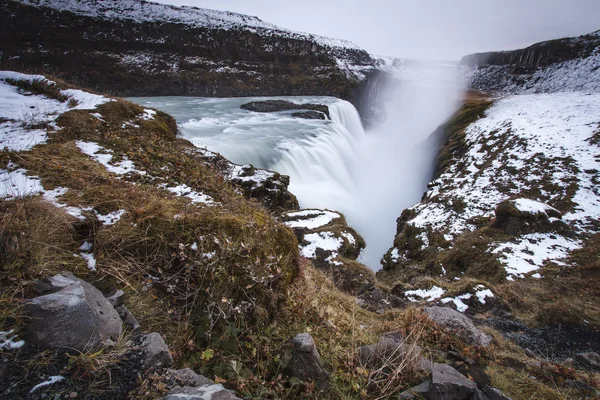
x: 534, y: 146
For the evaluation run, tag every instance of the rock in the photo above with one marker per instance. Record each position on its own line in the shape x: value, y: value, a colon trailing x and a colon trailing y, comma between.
x: 204, y: 392
x: 283, y: 105
x: 494, y: 394
x: 157, y: 354
x: 309, y: 115
x: 417, y: 392
x: 116, y: 297
x: 588, y: 360
x: 389, y: 347
x: 73, y: 315
x: 449, y: 384
x: 452, y: 320
x: 130, y: 322
x: 306, y: 362
x: 519, y: 216
x: 187, y: 377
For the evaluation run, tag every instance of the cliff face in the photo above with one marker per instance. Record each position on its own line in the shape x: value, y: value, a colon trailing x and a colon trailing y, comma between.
x: 146, y: 49
x: 552, y: 66
x: 541, y: 54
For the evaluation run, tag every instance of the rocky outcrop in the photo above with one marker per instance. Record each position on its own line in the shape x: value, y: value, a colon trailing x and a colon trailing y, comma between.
x: 325, y: 238
x: 305, y: 363
x: 521, y: 216
x: 458, y: 323
x: 283, y: 105
x: 309, y: 115
x: 72, y: 314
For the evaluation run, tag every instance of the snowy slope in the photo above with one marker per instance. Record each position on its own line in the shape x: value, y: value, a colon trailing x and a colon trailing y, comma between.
x: 543, y: 147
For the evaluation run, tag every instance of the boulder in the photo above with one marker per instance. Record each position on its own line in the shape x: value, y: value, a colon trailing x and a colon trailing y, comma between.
x: 73, y: 314
x: 588, y: 360
x: 519, y: 216
x: 449, y: 384
x: 462, y: 325
x: 306, y: 362
x: 205, y: 392
x: 283, y: 105
x: 310, y: 115
x: 156, y: 352
x: 417, y: 392
x: 187, y: 377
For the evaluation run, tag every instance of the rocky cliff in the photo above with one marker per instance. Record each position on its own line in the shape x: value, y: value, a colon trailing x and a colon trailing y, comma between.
x: 133, y: 48
x: 551, y: 66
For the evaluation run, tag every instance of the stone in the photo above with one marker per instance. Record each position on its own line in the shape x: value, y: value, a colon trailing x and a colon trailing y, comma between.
x: 306, y: 362
x: 73, y: 315
x: 462, y: 325
x: 309, y: 115
x: 449, y: 384
x: 156, y: 352
x: 417, y: 392
x: 283, y: 105
x: 390, y: 347
x: 494, y: 394
x: 187, y: 377
x: 116, y: 297
x: 205, y: 392
x: 519, y: 216
x: 588, y: 360
x: 130, y: 322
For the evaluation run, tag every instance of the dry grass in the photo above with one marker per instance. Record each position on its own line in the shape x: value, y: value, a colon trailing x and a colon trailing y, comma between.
x: 40, y: 87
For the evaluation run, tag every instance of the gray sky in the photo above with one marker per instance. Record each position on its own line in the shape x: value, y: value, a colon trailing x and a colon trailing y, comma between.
x: 429, y: 29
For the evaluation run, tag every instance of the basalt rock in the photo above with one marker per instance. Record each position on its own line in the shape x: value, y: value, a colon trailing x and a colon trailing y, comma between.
x: 72, y: 314
x: 309, y: 115
x: 156, y: 352
x: 283, y: 105
x: 449, y: 384
x: 521, y: 216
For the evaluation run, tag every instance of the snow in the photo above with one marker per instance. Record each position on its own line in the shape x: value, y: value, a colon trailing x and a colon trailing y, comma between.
x: 90, y: 259
x: 186, y: 191
x: 17, y: 183
x: 458, y: 301
x: 194, y: 246
x: 111, y: 218
x: 51, y: 380
x: 537, y: 143
x: 104, y: 157
x: 532, y: 206
x: 258, y: 176
x: 351, y: 239
x: 9, y: 341
x: 430, y: 294
x: 483, y: 294
x: 318, y: 218
x: 86, y: 246
x: 148, y: 114
x: 22, y: 111
x: 322, y: 240
x: 52, y: 196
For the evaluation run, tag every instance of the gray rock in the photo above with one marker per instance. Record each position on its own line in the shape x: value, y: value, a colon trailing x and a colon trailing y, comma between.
x: 306, y: 362
x: 449, y: 384
x: 205, y: 392
x: 157, y: 354
x: 462, y: 325
x: 588, y: 360
x: 418, y: 392
x: 130, y: 322
x: 73, y: 315
x: 187, y: 377
x: 116, y: 297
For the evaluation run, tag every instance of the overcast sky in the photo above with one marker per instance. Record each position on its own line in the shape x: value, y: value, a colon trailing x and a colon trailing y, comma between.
x: 431, y: 29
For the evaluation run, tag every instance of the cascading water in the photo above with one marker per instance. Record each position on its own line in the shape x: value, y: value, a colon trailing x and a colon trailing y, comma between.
x: 370, y: 177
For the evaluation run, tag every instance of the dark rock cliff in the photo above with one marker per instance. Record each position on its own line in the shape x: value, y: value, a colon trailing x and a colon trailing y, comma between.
x: 540, y: 54
x: 128, y: 57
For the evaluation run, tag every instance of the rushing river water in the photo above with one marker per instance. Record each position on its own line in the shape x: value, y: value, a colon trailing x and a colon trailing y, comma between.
x: 370, y: 177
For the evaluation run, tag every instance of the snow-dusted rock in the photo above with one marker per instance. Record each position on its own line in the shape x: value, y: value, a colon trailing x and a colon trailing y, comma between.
x: 204, y: 392
x: 525, y: 216
x: 73, y: 315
